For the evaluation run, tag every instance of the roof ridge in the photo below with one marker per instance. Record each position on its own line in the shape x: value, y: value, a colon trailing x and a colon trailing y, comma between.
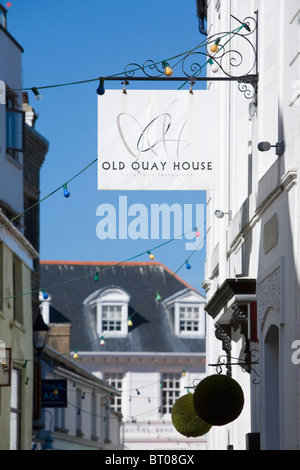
x: 120, y: 263
x: 94, y: 263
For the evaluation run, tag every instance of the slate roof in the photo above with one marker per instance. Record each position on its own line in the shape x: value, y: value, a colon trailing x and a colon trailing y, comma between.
x: 70, y: 283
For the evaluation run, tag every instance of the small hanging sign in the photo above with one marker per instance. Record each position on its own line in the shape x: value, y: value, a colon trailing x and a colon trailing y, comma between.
x: 54, y: 393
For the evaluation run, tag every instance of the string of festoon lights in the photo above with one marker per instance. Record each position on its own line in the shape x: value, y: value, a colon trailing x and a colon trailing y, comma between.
x: 138, y: 393
x: 95, y: 274
x: 214, y: 44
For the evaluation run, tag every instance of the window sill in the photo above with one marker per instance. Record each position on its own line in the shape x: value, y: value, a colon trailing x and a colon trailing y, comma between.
x: 13, y: 160
x: 19, y: 326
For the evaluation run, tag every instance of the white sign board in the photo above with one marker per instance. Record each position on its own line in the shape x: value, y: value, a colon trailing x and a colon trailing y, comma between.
x: 157, y: 140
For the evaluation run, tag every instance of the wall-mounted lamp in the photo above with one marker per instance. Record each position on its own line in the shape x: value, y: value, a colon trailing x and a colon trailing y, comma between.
x: 220, y: 214
x: 265, y: 147
x: 40, y: 334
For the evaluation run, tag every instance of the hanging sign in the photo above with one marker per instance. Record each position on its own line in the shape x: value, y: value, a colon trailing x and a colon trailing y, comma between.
x: 157, y: 140
x: 54, y: 393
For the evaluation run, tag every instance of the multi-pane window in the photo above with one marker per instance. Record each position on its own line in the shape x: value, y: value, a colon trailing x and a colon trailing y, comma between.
x: 111, y: 318
x: 189, y: 317
x: 170, y: 391
x: 115, y: 380
x: 17, y: 290
x: 15, y: 410
x: 14, y: 126
x: 2, y: 17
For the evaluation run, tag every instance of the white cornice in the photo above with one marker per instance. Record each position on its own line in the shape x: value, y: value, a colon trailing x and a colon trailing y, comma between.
x: 17, y: 235
x: 130, y: 356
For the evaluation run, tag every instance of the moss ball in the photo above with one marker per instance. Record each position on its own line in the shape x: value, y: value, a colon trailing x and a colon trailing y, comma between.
x: 218, y: 399
x: 185, y: 420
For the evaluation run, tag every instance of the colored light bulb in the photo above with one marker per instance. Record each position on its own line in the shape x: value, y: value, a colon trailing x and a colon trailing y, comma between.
x: 151, y: 256
x: 214, y: 66
x: 96, y: 277
x: 102, y: 342
x: 158, y: 297
x: 75, y: 355
x: 37, y: 94
x: 214, y: 47
x: 187, y: 265
x: 129, y: 322
x: 168, y: 70
x: 45, y: 295
x: 101, y: 89
x: 66, y: 191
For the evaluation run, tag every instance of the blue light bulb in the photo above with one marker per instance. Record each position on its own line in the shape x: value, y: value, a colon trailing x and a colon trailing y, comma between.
x: 187, y: 265
x: 66, y: 191
x: 45, y: 295
x: 101, y: 89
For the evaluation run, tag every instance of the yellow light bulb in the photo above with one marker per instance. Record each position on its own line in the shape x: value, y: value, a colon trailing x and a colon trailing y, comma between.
x: 130, y: 323
x: 168, y: 71
x: 214, y: 48
x: 75, y: 355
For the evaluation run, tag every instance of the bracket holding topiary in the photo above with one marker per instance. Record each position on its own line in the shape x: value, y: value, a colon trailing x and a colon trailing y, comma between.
x: 246, y: 365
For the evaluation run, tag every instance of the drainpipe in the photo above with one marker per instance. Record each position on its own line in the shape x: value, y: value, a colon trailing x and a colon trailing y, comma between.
x: 201, y: 14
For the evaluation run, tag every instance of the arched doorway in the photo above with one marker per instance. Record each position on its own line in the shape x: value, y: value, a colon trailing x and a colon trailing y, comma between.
x: 272, y: 414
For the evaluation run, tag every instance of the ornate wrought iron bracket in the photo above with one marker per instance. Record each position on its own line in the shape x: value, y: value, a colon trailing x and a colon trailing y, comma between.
x: 239, y: 319
x: 227, y: 60
x: 246, y: 365
x: 223, y: 335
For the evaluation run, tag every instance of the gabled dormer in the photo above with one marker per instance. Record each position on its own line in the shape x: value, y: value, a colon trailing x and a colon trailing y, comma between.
x: 188, y: 316
x: 111, y: 304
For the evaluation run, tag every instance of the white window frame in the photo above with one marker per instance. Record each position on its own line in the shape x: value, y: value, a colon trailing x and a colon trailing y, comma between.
x: 187, y: 298
x: 115, y: 379
x: 112, y: 297
x: 118, y: 318
x: 178, y: 320
x: 15, y: 410
x: 169, y: 393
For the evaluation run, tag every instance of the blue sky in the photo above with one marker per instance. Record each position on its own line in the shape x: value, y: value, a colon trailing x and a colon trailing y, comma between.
x: 76, y: 40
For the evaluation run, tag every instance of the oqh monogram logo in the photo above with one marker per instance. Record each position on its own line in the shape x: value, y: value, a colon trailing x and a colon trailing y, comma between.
x: 154, y: 133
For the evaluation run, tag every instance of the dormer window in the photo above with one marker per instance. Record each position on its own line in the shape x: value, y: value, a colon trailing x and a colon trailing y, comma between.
x: 189, y: 318
x: 187, y: 309
x: 111, y: 318
x: 111, y: 310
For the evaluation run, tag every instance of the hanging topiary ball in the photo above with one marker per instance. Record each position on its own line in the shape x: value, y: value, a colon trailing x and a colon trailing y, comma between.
x: 218, y: 399
x: 185, y: 420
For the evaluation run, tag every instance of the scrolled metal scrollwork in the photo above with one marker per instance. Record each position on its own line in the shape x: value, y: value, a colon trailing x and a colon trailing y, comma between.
x: 234, y: 59
x: 246, y: 364
x: 230, y: 60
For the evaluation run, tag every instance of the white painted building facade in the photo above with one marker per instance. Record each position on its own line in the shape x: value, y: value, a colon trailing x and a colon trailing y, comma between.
x: 16, y: 257
x: 154, y: 361
x: 252, y: 266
